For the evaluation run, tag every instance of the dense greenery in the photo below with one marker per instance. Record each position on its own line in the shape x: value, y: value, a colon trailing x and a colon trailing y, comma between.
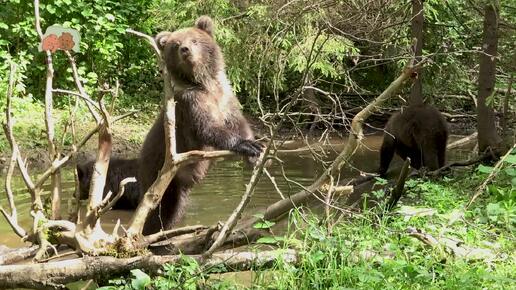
x: 374, y: 250
x: 267, y: 45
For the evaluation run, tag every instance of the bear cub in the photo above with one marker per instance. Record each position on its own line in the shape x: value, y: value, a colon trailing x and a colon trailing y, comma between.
x: 118, y: 170
x: 208, y: 117
x: 419, y: 132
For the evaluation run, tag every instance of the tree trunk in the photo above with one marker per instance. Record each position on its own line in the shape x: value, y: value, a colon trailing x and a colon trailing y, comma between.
x: 416, y: 91
x: 488, y: 137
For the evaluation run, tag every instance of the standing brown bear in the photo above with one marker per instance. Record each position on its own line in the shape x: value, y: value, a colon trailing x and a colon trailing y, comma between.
x: 208, y: 116
x: 419, y: 132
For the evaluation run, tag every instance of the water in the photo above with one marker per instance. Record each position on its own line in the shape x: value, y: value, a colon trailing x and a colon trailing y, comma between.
x: 215, y: 198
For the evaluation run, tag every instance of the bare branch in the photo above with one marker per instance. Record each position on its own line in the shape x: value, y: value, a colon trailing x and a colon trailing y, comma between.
x: 13, y: 217
x: 491, y: 175
x: 237, y: 212
x: 8, y: 126
x: 86, y: 98
x: 149, y: 39
x: 106, y: 204
x: 81, y: 89
x: 150, y: 239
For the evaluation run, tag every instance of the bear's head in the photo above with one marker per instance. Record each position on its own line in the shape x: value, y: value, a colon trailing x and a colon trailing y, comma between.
x: 191, y: 54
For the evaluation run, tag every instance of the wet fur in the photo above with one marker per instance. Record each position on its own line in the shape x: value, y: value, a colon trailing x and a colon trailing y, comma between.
x: 118, y: 170
x: 208, y: 116
x: 419, y: 132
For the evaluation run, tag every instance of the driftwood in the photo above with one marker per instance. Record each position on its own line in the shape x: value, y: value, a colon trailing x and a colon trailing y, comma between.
x: 53, y: 275
x: 466, y: 141
x: 10, y: 256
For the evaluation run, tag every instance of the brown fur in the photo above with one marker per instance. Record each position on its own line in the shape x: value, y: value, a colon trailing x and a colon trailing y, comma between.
x: 419, y: 132
x: 207, y: 116
x: 118, y: 170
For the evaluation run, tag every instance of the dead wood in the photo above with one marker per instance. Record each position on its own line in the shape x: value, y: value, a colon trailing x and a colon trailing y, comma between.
x: 54, y: 275
x: 466, y: 141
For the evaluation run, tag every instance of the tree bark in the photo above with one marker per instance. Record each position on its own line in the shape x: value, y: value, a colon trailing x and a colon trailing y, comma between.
x: 53, y: 275
x: 416, y: 91
x: 488, y: 137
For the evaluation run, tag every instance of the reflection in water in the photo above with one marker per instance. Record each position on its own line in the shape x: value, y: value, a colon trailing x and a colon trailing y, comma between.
x: 219, y: 193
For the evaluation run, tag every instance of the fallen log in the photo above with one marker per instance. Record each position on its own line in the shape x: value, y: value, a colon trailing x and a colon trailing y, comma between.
x: 54, y: 275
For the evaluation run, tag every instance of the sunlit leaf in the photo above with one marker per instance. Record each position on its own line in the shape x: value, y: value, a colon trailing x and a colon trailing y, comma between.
x: 263, y: 225
x: 484, y: 169
x: 270, y: 240
x: 140, y: 280
x: 511, y: 159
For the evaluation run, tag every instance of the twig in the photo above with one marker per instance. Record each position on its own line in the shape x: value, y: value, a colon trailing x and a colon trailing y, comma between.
x: 273, y: 181
x: 34, y: 191
x: 237, y: 212
x: 7, y: 126
x: 59, y: 163
x: 327, y: 200
x: 81, y: 89
x: 150, y: 239
x: 149, y: 39
x: 86, y: 98
x: 13, y: 217
x: 490, y: 177
x: 106, y: 205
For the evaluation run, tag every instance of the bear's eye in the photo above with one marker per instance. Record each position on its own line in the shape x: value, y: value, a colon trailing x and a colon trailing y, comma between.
x: 194, y: 41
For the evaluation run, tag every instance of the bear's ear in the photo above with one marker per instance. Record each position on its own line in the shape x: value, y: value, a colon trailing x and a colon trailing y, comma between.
x: 205, y: 23
x: 161, y: 39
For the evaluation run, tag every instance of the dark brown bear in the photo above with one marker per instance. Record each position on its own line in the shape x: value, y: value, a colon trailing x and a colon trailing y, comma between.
x: 208, y: 116
x: 118, y: 170
x: 419, y: 132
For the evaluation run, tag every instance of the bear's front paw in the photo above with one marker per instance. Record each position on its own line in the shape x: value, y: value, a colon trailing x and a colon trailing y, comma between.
x: 249, y: 148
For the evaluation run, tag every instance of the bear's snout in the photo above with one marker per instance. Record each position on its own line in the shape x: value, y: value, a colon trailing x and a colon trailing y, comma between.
x: 184, y: 50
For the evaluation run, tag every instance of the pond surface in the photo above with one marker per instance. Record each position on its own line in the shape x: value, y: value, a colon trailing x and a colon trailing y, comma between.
x: 219, y: 193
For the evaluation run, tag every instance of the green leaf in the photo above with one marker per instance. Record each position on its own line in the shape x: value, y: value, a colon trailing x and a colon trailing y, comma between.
x: 380, y: 181
x: 3, y: 25
x: 511, y: 159
x: 87, y: 12
x: 110, y: 17
x: 51, y: 9
x: 92, y: 75
x: 141, y: 280
x: 270, y: 240
x: 484, y: 169
x: 318, y: 256
x: 263, y: 225
x: 511, y: 171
